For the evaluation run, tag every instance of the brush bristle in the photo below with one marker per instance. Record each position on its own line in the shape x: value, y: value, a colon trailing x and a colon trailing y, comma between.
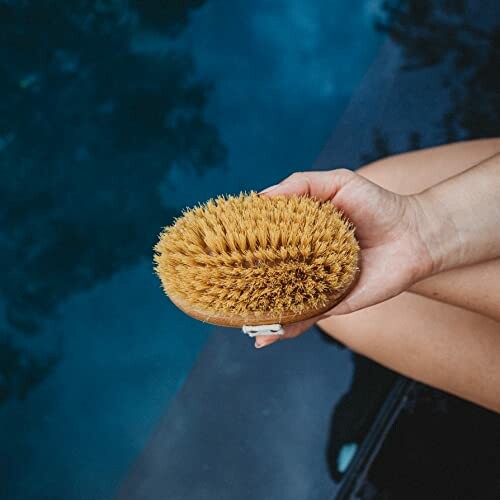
x: 249, y: 253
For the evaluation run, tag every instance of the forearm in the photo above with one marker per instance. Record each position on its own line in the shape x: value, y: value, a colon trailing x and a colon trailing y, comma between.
x: 460, y: 217
x: 475, y: 288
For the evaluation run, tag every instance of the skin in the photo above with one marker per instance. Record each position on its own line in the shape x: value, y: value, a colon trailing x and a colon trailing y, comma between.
x: 426, y: 304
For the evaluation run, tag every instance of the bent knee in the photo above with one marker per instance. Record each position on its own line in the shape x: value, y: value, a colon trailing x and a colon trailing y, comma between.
x: 352, y: 330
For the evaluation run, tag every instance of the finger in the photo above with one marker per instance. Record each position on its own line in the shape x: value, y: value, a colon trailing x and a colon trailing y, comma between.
x: 291, y: 331
x: 370, y: 288
x: 296, y: 329
x: 321, y: 185
x: 361, y: 296
x: 265, y: 340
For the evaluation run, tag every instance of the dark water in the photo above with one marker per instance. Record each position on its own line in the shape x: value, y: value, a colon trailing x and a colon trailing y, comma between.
x: 114, y: 116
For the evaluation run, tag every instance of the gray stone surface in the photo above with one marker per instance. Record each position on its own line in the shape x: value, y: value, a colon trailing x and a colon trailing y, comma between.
x: 248, y: 424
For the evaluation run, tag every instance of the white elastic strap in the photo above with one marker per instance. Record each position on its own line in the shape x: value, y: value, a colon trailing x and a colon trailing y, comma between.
x: 253, y: 331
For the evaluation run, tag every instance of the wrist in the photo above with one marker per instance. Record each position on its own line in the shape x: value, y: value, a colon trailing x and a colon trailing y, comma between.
x: 437, y: 232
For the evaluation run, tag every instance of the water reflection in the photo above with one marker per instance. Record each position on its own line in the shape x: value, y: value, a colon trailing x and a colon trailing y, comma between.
x: 89, y: 130
x: 434, y: 32
x: 461, y: 43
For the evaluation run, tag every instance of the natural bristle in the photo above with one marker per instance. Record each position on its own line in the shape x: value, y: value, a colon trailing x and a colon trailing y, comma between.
x: 250, y: 254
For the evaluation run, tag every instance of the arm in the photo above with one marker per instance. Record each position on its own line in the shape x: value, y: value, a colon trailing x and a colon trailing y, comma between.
x: 460, y: 217
x: 405, y: 239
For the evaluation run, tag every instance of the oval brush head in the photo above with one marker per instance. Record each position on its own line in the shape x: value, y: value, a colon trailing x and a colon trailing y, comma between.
x: 257, y: 260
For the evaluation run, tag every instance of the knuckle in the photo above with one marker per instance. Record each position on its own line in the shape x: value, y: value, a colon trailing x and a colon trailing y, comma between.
x: 295, y: 176
x: 345, y: 172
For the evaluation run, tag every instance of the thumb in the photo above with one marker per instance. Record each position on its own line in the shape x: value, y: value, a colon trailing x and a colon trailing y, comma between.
x: 321, y: 185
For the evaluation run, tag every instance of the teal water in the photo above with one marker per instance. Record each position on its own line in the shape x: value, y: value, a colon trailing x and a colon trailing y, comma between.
x: 279, y: 77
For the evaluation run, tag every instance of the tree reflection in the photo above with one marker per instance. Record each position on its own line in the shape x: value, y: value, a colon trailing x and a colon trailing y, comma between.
x: 432, y: 32
x: 441, y: 32
x: 88, y: 129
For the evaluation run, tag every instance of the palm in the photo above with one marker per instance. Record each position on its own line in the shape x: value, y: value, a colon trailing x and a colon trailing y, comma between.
x: 393, y: 257
x: 391, y: 253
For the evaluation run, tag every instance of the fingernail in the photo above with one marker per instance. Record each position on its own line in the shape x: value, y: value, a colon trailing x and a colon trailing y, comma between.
x: 270, y: 188
x: 259, y: 344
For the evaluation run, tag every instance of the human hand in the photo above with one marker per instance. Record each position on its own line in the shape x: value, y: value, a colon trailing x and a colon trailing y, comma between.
x: 394, y: 255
